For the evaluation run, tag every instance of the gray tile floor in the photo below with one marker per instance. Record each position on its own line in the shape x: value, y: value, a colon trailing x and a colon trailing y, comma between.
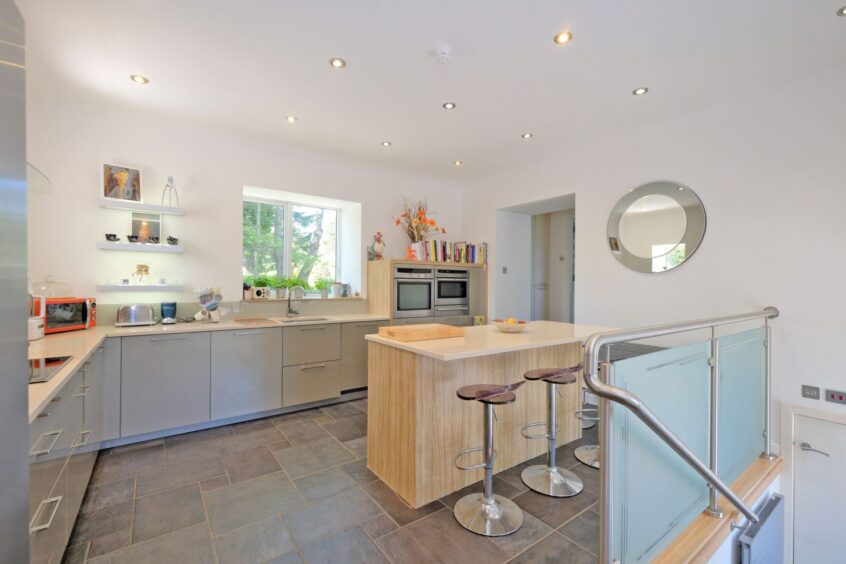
x: 295, y: 488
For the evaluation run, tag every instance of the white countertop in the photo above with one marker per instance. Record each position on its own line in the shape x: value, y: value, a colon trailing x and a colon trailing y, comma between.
x: 81, y: 344
x: 484, y: 340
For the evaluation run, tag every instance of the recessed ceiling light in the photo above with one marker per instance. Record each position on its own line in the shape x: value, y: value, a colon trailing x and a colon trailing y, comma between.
x: 562, y: 37
x: 137, y: 78
x: 449, y: 105
x: 386, y: 143
x: 457, y: 163
x: 291, y: 119
x: 527, y: 135
x: 337, y: 63
x: 842, y: 11
x: 640, y: 91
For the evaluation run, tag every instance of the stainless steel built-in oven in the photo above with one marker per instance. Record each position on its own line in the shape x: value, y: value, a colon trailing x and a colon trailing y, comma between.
x: 414, y: 291
x: 452, y: 291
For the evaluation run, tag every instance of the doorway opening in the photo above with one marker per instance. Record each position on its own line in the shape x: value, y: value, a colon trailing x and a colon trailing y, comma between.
x: 538, y: 284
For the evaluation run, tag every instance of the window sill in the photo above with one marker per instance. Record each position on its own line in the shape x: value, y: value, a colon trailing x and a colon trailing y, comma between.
x: 307, y: 299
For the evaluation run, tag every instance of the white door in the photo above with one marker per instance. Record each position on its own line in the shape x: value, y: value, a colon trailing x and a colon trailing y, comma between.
x: 819, y: 519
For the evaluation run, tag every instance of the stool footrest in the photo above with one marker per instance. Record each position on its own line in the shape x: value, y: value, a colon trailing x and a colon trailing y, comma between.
x: 525, y: 430
x: 471, y: 466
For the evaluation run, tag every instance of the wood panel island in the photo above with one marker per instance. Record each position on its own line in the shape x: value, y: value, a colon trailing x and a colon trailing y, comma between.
x: 416, y: 424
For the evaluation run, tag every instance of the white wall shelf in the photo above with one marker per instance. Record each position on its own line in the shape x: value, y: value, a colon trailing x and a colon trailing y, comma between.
x: 140, y: 287
x: 115, y: 204
x: 140, y: 247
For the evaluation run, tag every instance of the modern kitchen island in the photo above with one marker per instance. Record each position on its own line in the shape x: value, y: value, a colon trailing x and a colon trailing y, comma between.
x: 416, y: 423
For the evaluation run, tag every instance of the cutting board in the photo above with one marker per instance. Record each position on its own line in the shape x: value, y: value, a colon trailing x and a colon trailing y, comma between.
x: 422, y: 332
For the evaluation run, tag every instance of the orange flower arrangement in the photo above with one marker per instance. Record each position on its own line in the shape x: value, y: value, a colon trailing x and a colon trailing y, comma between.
x: 415, y: 221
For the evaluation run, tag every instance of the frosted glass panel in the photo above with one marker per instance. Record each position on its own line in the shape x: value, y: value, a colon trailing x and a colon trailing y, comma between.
x: 741, y: 407
x: 656, y: 494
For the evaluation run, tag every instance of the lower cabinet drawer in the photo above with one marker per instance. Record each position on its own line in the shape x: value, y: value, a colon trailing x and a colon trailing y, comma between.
x: 311, y: 382
x: 50, y: 524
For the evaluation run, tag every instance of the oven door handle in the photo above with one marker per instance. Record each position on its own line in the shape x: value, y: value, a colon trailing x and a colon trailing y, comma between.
x: 451, y: 308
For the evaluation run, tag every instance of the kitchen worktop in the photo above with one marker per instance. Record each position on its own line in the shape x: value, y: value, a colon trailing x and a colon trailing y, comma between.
x: 81, y: 344
x: 486, y: 340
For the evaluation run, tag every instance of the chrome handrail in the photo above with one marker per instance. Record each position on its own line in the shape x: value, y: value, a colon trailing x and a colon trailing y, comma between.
x: 633, y: 403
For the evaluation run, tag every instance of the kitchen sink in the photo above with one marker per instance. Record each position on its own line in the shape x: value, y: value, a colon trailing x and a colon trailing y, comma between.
x: 300, y: 318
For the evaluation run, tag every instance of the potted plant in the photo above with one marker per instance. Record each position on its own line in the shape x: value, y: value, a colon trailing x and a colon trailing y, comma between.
x: 323, y: 285
x: 248, y: 284
x: 277, y: 286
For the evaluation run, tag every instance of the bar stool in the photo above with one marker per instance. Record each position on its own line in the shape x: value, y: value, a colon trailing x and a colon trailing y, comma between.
x: 547, y: 478
x: 487, y: 513
x: 588, y: 415
x: 588, y: 454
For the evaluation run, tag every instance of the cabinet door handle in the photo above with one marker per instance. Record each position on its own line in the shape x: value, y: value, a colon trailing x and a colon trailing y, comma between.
x: 254, y: 332
x: 49, y: 449
x: 312, y: 367
x: 77, y: 442
x: 808, y: 448
x: 173, y: 338
x: 53, y: 402
x: 83, y: 393
x: 56, y: 501
x: 371, y: 325
x: 313, y: 329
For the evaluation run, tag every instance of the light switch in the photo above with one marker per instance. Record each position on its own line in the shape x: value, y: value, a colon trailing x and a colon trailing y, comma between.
x: 810, y: 392
x: 505, y: 270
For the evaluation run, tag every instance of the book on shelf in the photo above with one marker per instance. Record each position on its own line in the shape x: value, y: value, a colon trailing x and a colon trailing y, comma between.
x: 458, y: 252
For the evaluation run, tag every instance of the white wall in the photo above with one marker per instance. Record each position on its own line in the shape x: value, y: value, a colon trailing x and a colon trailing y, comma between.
x: 71, y: 141
x: 769, y: 169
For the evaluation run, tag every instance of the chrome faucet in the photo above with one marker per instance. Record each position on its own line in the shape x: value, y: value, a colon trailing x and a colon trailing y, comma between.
x: 300, y: 291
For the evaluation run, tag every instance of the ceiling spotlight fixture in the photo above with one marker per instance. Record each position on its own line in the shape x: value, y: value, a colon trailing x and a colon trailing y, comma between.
x: 291, y: 119
x: 386, y: 143
x: 640, y: 91
x: 138, y: 79
x: 528, y: 135
x: 337, y: 63
x: 842, y: 11
x: 562, y: 37
x: 449, y: 105
x: 457, y: 163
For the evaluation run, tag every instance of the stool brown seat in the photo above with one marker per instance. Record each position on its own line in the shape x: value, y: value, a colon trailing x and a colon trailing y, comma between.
x: 487, y: 513
x: 547, y: 478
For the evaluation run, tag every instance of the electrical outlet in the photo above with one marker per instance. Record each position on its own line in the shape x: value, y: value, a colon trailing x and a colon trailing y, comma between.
x: 810, y: 392
x: 835, y: 396
x: 505, y: 270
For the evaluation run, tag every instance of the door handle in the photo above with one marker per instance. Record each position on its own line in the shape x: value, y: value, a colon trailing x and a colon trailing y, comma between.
x: 56, y: 501
x: 808, y: 448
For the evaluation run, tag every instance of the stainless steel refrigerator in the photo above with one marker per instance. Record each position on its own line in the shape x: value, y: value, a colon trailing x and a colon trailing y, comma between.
x: 14, y: 425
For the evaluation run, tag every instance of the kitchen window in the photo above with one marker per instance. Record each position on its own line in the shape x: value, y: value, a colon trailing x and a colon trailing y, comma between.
x: 287, y: 239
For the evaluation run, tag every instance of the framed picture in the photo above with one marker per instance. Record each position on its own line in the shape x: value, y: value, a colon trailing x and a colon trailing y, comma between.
x: 121, y: 182
x: 147, y: 227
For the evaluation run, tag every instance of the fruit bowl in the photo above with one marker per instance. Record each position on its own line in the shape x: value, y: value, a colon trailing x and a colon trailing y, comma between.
x: 510, y: 325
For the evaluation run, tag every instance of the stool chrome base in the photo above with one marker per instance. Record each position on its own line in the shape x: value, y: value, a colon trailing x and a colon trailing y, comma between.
x: 496, y: 518
x: 554, y: 482
x: 588, y: 454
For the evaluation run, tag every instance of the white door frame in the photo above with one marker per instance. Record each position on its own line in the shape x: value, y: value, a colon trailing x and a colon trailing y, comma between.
x: 788, y: 427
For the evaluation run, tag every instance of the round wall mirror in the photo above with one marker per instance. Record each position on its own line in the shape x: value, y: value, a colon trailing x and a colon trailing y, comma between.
x: 656, y: 227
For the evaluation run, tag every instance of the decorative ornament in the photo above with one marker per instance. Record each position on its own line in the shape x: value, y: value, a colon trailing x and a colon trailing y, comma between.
x: 170, y: 191
x: 375, y: 249
x: 410, y: 254
x: 141, y: 270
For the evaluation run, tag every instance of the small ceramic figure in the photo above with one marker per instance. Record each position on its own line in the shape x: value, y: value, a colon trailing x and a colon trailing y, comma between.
x: 170, y: 191
x: 378, y: 245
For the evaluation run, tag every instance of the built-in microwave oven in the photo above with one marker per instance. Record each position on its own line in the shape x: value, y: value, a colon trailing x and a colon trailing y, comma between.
x: 414, y: 291
x: 452, y: 291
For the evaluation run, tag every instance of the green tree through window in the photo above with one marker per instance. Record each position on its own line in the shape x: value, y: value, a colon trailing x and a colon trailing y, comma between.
x: 308, y: 250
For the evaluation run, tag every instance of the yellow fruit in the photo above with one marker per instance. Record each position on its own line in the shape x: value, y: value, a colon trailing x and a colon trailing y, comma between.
x: 511, y: 320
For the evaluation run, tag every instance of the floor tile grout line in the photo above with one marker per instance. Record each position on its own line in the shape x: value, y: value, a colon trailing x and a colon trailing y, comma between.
x: 577, y: 544
x: 208, y: 522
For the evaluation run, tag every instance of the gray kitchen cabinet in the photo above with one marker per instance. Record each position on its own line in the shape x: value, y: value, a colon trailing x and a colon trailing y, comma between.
x: 53, y: 436
x: 307, y: 344
x: 246, y: 371
x: 311, y: 382
x: 111, y: 388
x: 413, y: 321
x: 354, y: 352
x: 165, y: 382
x: 457, y: 320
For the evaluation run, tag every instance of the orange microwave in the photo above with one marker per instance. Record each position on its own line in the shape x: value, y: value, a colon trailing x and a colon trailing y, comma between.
x: 68, y: 314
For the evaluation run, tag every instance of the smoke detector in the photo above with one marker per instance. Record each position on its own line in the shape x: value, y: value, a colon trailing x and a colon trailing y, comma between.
x: 443, y: 54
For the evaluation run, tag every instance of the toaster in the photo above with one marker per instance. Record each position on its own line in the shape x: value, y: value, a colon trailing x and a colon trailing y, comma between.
x: 136, y: 314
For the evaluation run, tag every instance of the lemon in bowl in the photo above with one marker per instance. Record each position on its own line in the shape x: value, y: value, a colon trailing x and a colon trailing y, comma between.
x: 510, y: 325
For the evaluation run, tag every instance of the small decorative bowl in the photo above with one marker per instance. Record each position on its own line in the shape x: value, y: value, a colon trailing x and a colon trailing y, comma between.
x: 112, y: 237
x: 153, y: 239
x: 507, y: 327
x: 172, y: 241
x: 132, y: 238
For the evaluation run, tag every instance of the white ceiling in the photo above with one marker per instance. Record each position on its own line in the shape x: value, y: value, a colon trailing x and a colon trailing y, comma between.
x: 246, y: 64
